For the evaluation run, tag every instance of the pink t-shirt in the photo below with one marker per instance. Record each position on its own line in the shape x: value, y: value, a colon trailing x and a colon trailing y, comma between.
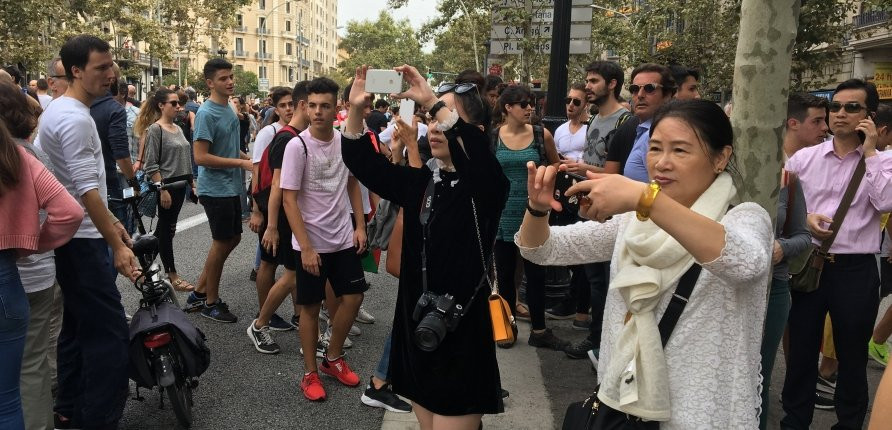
x: 320, y: 176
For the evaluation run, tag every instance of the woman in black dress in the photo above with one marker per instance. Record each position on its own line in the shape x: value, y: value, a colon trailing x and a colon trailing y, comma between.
x: 452, y: 386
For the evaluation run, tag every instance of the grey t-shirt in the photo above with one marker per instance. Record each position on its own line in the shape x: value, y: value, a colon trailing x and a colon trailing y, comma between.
x: 174, y: 160
x: 595, y: 152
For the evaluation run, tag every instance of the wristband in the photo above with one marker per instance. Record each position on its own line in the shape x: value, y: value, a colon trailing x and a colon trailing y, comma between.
x: 647, y: 200
x: 535, y: 212
x: 436, y: 108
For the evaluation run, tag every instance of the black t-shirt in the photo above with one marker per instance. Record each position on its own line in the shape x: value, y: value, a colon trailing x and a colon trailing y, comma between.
x: 275, y: 157
x: 376, y: 121
x: 620, y: 146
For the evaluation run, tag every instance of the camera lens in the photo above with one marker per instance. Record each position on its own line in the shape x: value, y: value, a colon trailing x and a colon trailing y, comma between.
x: 430, y: 332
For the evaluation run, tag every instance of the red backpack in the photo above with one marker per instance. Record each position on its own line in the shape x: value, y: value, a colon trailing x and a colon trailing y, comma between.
x: 282, y: 137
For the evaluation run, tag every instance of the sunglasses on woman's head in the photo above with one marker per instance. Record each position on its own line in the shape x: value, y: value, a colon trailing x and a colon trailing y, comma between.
x: 648, y: 88
x: 456, y: 88
x: 850, y: 107
x: 576, y: 102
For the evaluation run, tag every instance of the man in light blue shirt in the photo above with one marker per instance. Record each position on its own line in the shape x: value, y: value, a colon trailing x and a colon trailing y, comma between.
x: 652, y: 87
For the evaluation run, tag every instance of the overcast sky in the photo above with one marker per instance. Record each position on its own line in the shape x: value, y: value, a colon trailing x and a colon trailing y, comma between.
x: 418, y: 11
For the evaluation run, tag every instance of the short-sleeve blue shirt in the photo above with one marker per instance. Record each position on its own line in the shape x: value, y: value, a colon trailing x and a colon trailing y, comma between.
x: 218, y: 125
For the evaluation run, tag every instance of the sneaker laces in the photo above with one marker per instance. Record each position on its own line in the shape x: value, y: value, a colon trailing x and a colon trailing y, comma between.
x: 263, y: 335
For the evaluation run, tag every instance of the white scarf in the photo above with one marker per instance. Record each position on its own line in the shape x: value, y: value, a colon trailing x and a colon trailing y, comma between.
x: 650, y: 262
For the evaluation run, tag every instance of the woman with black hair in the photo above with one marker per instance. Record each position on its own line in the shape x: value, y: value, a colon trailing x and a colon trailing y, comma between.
x: 658, y: 236
x: 446, y: 252
x: 518, y: 143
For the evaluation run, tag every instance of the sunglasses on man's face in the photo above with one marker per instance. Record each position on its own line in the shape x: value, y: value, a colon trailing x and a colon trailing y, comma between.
x: 576, y: 102
x: 456, y: 88
x: 850, y: 107
x: 648, y: 88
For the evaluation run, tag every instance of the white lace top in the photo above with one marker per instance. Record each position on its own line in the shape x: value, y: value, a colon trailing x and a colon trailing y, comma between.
x: 713, y: 354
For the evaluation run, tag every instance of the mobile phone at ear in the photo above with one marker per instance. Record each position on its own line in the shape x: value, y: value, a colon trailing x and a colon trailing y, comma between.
x: 861, y: 133
x: 383, y: 81
x: 562, y: 183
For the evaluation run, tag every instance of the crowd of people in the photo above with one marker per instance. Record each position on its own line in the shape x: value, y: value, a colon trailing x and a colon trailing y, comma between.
x: 683, y: 289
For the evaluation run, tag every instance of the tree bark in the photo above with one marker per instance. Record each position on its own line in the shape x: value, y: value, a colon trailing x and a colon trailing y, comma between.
x: 761, y: 86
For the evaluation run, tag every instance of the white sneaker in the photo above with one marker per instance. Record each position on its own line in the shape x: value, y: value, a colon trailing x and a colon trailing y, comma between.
x: 326, y: 337
x: 323, y: 315
x: 320, y: 350
x: 364, y: 317
x: 354, y: 330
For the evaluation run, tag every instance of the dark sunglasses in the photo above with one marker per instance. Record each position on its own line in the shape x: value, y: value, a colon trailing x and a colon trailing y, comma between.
x: 447, y: 87
x: 576, y: 102
x: 523, y: 104
x: 648, y: 88
x: 850, y: 107
x: 173, y: 103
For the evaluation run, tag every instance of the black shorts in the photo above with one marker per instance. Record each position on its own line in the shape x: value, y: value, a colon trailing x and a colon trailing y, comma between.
x: 224, y: 216
x: 285, y: 254
x: 342, y: 268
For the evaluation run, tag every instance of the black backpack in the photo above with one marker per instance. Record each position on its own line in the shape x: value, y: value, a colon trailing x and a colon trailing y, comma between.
x: 538, y: 140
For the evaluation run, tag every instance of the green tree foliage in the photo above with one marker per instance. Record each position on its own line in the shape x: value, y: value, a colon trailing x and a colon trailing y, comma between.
x: 31, y: 31
x: 381, y: 44
x: 245, y: 82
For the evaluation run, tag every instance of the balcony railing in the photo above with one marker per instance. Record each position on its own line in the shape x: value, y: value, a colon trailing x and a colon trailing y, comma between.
x: 240, y: 29
x: 302, y: 40
x: 240, y: 53
x: 305, y: 63
x: 261, y: 30
x: 871, y: 17
x: 263, y: 55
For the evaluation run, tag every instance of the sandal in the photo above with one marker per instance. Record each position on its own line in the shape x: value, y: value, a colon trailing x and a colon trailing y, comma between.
x: 182, y: 286
x: 522, y: 312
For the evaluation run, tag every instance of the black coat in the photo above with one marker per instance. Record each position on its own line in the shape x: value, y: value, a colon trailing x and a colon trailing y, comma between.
x: 462, y: 376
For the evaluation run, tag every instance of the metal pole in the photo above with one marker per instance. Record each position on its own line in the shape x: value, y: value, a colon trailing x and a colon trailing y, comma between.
x: 555, y: 113
x: 473, y: 34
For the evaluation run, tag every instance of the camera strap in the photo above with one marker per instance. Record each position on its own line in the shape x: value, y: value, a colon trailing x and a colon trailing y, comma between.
x: 425, y: 218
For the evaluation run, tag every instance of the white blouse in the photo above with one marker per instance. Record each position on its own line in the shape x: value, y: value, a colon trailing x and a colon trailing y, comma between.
x: 713, y: 355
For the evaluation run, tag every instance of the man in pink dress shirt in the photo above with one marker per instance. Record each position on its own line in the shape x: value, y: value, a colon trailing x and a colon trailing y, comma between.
x: 849, y: 284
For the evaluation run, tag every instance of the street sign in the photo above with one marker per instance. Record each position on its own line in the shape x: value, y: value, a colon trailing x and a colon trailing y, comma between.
x: 495, y: 69
x: 263, y: 84
x: 514, y: 47
x: 577, y: 14
x: 538, y: 31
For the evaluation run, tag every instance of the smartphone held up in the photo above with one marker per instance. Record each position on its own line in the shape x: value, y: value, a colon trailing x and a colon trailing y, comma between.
x: 383, y: 81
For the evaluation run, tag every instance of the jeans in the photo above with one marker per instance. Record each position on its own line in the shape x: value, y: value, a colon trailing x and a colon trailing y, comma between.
x: 167, y: 227
x: 13, y: 329
x: 92, y: 353
x: 382, y: 372
x: 849, y: 290
x: 775, y: 322
x: 505, y: 256
x: 598, y: 275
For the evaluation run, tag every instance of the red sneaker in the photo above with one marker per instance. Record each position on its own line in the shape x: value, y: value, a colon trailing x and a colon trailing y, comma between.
x: 312, y: 387
x: 339, y: 369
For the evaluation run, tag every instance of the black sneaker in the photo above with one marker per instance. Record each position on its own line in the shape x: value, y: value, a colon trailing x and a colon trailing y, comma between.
x: 384, y: 398
x: 579, y: 350
x: 218, y: 312
x: 547, y: 339
x: 253, y: 276
x: 295, y: 321
x: 194, y: 302
x: 581, y: 325
x: 262, y: 340
x: 562, y: 311
x: 826, y: 385
x: 823, y: 401
x: 277, y: 323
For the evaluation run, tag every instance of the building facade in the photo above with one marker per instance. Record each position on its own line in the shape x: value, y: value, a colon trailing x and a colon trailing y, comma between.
x: 281, y: 41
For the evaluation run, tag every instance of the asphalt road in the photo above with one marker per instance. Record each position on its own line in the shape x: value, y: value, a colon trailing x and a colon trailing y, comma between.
x: 244, y: 389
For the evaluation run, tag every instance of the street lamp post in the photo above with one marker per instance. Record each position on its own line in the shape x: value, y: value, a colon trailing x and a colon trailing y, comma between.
x: 473, y: 34
x: 557, y: 72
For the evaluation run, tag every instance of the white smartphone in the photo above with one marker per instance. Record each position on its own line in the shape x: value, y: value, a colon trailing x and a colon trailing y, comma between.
x: 407, y: 110
x: 382, y: 81
x: 128, y: 192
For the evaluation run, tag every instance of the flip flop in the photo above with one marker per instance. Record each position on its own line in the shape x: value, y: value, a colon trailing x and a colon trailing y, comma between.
x: 522, y: 312
x: 182, y: 286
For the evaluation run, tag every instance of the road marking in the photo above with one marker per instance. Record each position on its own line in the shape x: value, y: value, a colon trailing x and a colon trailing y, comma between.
x: 190, y: 222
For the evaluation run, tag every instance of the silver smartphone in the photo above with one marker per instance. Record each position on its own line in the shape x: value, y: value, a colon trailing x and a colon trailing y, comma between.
x: 128, y: 192
x: 383, y: 81
x: 407, y: 110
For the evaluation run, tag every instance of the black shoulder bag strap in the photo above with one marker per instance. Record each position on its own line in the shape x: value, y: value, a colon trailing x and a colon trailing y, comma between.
x: 844, y: 205
x: 678, y: 302
x: 425, y: 217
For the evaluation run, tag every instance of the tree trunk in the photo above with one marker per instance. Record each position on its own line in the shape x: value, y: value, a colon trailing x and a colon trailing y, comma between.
x: 761, y: 85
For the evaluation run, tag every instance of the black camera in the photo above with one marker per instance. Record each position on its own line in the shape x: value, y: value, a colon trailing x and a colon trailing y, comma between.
x: 436, y: 315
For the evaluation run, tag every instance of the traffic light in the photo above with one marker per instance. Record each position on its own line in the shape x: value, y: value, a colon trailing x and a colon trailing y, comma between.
x: 430, y: 75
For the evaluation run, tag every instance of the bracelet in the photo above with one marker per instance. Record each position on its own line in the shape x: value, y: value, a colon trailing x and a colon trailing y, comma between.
x: 436, y: 108
x: 535, y: 212
x: 647, y: 200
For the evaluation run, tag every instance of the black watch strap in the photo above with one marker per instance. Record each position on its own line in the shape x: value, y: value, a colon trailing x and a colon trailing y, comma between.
x: 535, y: 212
x: 436, y: 108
